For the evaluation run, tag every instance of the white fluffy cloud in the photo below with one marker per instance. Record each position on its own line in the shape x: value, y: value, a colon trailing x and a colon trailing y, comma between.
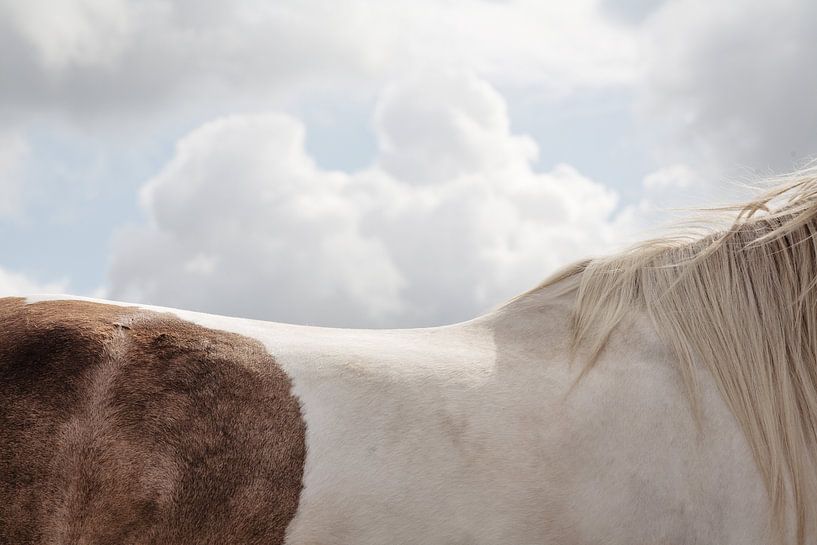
x: 436, y: 127
x: 13, y: 153
x: 733, y: 83
x: 17, y: 284
x: 243, y: 222
x: 125, y: 57
x: 71, y: 33
x: 450, y: 216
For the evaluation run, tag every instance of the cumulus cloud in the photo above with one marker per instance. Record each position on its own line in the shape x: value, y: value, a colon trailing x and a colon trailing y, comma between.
x: 13, y: 153
x: 17, y: 284
x: 422, y: 142
x: 243, y: 221
x: 449, y: 220
x: 629, y: 11
x: 71, y: 33
x: 450, y: 216
x: 126, y: 57
x: 733, y: 82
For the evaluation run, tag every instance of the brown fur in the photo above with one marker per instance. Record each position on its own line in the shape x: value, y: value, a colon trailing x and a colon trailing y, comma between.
x: 122, y: 426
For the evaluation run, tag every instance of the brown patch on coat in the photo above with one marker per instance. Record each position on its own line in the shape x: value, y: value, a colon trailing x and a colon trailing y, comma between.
x: 124, y: 426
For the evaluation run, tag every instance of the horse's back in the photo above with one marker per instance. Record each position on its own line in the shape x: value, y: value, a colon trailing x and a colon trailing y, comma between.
x: 127, y: 426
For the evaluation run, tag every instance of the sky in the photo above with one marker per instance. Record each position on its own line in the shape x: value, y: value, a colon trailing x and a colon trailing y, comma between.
x: 376, y: 164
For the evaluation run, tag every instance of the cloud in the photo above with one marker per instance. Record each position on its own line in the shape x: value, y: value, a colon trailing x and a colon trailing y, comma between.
x: 17, y: 284
x: 122, y: 58
x: 450, y: 216
x: 13, y: 153
x: 629, y: 11
x: 449, y: 220
x: 732, y: 83
x: 243, y: 221
x: 420, y: 142
x: 72, y: 33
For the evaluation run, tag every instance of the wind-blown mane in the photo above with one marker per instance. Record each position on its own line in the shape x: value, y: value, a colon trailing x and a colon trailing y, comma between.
x: 743, y: 304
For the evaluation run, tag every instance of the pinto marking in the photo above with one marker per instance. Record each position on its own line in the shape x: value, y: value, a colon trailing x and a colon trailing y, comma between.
x: 127, y: 426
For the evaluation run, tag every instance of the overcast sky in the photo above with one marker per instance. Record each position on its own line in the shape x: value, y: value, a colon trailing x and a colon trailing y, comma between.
x: 379, y: 164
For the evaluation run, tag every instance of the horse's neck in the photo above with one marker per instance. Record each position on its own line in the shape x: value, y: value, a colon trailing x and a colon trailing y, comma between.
x: 627, y: 432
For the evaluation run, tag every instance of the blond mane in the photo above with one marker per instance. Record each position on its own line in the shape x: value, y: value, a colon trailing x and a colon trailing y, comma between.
x: 742, y: 303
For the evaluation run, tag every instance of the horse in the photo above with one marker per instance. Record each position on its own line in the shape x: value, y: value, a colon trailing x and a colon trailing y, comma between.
x: 666, y: 394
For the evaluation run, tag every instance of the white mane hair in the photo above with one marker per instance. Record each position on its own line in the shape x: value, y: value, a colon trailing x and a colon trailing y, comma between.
x: 742, y: 303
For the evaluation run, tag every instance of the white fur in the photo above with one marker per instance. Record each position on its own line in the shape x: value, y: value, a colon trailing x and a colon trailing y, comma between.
x: 470, y: 434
